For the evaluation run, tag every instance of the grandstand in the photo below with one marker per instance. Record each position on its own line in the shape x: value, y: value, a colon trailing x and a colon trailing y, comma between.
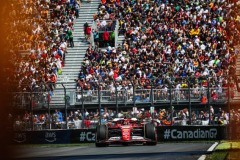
x: 148, y: 51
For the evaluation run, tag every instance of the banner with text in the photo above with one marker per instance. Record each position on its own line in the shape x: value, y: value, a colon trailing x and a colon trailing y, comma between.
x: 164, y: 133
x: 82, y: 135
x: 178, y: 133
x: 42, y: 137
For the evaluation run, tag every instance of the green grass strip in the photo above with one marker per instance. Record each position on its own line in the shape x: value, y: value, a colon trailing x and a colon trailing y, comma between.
x: 53, y: 145
x: 225, y: 150
x: 228, y: 145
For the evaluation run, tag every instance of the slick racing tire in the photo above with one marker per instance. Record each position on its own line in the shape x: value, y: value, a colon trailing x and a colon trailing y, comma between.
x: 101, y: 132
x: 150, y: 133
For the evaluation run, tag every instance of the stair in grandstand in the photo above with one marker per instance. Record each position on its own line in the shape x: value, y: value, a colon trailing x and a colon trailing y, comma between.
x: 75, y: 56
x: 121, y: 38
x: 236, y: 98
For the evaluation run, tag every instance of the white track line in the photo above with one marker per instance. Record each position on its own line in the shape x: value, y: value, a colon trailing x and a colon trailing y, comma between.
x: 209, y: 150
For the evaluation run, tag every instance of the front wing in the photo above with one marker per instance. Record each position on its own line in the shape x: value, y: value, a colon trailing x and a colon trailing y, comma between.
x: 134, y: 139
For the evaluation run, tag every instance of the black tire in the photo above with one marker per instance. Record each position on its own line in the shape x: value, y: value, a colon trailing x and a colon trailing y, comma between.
x: 100, y: 144
x: 150, y: 133
x: 101, y: 134
x: 125, y: 144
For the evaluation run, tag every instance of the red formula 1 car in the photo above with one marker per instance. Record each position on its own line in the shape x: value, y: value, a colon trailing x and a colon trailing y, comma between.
x: 125, y: 131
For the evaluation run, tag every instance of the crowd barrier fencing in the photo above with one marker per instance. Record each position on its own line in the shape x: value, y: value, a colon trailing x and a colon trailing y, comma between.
x: 137, y: 96
x: 164, y: 134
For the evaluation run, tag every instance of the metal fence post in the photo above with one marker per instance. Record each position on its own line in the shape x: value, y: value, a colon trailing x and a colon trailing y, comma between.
x: 116, y: 93
x: 49, y: 116
x: 65, y: 100
x: 99, y: 105
x: 229, y: 99
x: 208, y: 101
x: 134, y: 102
x: 83, y: 108
x: 151, y: 94
x: 189, y: 103
x: 170, y: 95
x: 31, y: 107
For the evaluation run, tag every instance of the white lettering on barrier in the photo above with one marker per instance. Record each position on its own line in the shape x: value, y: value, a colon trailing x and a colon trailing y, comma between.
x: 198, y: 134
x: 20, y: 137
x: 88, y: 136
x: 50, y: 137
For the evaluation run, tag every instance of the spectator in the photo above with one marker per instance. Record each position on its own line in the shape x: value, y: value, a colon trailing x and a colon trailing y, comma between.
x: 59, y: 115
x: 88, y: 32
x: 214, y: 96
x: 85, y: 28
x: 77, y: 122
x: 203, y: 99
x: 69, y: 36
x: 96, y: 37
x: 77, y: 6
x: 87, y: 122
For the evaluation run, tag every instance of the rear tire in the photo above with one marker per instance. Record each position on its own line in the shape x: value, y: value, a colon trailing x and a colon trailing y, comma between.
x: 150, y: 133
x: 125, y: 144
x: 101, y: 135
x: 100, y: 144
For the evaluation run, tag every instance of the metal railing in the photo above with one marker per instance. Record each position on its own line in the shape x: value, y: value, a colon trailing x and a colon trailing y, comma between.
x: 126, y: 96
x: 100, y: 29
x: 130, y: 97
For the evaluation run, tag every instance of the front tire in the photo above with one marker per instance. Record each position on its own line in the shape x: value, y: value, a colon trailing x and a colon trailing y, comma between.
x: 150, y: 133
x: 101, y: 136
x: 100, y: 144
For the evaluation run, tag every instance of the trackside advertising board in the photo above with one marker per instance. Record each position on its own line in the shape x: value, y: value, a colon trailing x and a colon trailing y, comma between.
x: 42, y: 137
x: 183, y: 133
x: 82, y: 135
x: 164, y: 133
x: 54, y: 136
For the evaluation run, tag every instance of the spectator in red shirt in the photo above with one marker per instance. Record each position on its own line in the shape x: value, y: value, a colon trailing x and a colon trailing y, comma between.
x: 88, y: 32
x: 214, y: 95
x: 203, y: 99
x: 106, y: 37
x: 87, y: 122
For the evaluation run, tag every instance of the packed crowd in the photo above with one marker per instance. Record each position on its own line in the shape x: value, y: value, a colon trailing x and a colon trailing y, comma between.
x: 161, y: 117
x: 167, y: 44
x: 43, y: 31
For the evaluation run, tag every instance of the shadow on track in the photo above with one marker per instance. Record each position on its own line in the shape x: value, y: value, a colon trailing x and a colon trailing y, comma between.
x: 160, y: 155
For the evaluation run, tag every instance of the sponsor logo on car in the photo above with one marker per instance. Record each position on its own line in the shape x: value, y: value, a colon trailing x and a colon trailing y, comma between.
x: 114, y: 138
x: 137, y: 138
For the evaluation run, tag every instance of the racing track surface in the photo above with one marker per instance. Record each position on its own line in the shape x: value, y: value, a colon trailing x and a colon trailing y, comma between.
x: 162, y: 151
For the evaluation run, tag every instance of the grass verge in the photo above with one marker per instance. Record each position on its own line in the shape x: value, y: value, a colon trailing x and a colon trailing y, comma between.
x: 226, y: 150
x: 53, y: 145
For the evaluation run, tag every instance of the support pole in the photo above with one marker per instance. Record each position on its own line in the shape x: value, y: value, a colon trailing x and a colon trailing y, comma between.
x: 83, y: 108
x: 134, y: 101
x: 99, y: 105
x: 189, y: 104
x: 65, y: 100
x: 170, y: 94
x: 229, y: 99
x: 208, y: 101
x: 31, y: 107
x: 49, y: 116
x: 151, y: 94
x: 116, y: 93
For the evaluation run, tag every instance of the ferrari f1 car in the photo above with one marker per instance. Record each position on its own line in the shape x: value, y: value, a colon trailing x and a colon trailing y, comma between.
x: 125, y: 131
